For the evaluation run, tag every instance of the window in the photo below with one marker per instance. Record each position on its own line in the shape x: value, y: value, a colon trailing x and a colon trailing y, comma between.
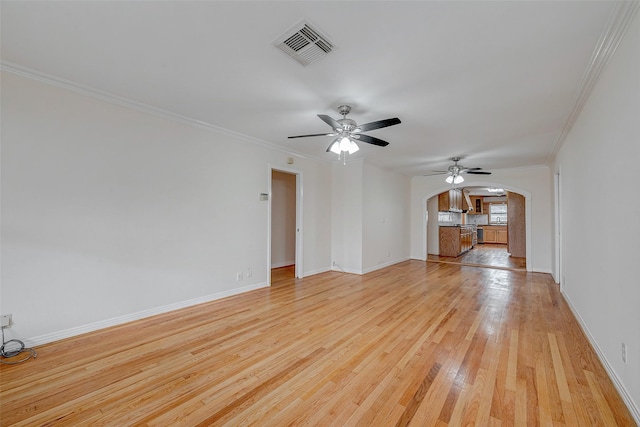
x: 498, y: 214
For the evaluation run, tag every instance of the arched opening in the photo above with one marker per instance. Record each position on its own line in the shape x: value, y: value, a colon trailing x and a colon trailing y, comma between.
x: 520, y: 234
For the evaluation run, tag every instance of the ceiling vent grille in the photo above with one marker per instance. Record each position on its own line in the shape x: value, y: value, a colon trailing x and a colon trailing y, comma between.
x: 304, y: 44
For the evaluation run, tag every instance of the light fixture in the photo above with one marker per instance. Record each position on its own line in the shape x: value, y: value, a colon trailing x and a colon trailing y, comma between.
x: 335, y: 147
x: 495, y: 190
x: 456, y: 179
x: 343, y: 145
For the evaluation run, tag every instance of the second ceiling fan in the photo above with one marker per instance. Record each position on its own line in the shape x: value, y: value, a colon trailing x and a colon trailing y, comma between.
x: 347, y: 131
x: 455, y: 172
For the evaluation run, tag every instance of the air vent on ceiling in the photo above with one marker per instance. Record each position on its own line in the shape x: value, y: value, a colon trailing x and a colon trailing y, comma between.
x: 304, y: 44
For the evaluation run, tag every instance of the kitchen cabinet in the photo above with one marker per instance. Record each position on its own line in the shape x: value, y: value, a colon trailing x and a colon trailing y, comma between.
x: 455, y: 241
x: 476, y: 202
x: 450, y: 201
x: 501, y: 236
x: 496, y: 234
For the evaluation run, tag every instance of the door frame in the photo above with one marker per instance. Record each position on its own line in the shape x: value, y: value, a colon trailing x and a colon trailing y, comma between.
x: 299, y: 234
x: 557, y: 270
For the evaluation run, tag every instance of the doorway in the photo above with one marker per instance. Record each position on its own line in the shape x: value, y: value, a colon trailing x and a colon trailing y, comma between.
x: 507, y: 252
x: 285, y: 215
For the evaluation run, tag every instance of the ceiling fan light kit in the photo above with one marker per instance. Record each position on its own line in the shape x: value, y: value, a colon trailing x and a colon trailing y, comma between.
x: 343, y: 145
x: 347, y: 131
x: 455, y: 179
x: 455, y: 171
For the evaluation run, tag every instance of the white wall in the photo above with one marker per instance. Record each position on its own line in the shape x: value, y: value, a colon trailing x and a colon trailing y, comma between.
x: 533, y: 183
x: 110, y: 214
x: 347, y: 216
x: 598, y: 165
x: 370, y: 217
x: 283, y: 219
x: 385, y: 218
x: 433, y: 230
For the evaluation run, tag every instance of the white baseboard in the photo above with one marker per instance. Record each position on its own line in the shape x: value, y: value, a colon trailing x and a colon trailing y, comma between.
x: 384, y: 265
x: 318, y: 271
x: 91, y: 327
x: 282, y: 264
x: 635, y: 411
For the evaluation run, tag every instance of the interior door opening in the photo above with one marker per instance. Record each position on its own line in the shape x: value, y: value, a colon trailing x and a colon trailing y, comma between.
x: 285, y: 226
x: 499, y: 243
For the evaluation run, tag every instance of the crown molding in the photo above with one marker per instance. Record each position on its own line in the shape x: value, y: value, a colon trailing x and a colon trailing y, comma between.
x: 141, y: 107
x: 619, y: 20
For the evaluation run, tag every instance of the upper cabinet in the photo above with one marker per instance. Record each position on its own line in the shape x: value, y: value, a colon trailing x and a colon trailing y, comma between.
x: 451, y: 201
x: 477, y: 203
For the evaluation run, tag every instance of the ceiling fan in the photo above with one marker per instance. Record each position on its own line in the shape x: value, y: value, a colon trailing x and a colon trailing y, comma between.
x: 455, y: 171
x: 347, y: 131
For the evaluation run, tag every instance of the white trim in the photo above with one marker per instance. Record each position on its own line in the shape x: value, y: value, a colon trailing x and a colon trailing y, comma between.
x: 142, y: 107
x: 384, y: 265
x: 299, y: 270
x: 635, y: 411
x: 619, y: 20
x: 283, y: 263
x: 91, y: 327
x: 318, y: 271
x: 557, y: 216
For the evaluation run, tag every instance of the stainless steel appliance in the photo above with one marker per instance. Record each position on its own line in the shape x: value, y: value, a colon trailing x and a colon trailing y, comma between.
x: 480, y: 234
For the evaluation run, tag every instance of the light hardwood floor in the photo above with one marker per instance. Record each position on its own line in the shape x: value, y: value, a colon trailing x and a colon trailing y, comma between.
x: 483, y: 255
x: 416, y: 344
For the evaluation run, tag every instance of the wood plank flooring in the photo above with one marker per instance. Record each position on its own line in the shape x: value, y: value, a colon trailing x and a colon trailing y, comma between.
x: 485, y: 255
x: 415, y: 344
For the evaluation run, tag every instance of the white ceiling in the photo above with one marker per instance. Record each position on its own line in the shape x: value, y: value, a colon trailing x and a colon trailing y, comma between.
x: 495, y: 81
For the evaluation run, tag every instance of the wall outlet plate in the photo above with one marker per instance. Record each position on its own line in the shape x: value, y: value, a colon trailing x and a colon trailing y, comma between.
x: 5, y: 320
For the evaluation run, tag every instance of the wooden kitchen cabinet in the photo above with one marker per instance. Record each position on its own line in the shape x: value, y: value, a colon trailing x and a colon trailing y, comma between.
x: 496, y: 234
x: 477, y: 203
x: 450, y: 201
x: 455, y: 240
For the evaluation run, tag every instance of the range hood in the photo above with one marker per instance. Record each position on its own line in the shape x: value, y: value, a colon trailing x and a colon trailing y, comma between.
x: 466, y: 197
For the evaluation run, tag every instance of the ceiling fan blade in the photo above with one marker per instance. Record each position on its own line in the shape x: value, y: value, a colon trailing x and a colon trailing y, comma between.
x: 313, y: 134
x: 477, y: 172
x: 379, y: 124
x: 370, y: 140
x: 470, y: 169
x: 330, y: 121
x: 331, y: 145
x: 436, y: 173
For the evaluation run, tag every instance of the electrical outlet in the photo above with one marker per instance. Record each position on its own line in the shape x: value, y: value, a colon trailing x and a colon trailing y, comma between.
x: 249, y: 272
x: 5, y: 320
x: 239, y: 276
x: 624, y: 352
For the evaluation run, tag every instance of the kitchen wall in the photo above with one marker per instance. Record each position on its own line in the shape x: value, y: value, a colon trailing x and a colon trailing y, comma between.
x: 598, y: 162
x: 111, y: 214
x: 478, y: 219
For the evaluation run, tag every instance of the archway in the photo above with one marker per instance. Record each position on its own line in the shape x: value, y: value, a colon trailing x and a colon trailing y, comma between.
x: 507, y: 187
